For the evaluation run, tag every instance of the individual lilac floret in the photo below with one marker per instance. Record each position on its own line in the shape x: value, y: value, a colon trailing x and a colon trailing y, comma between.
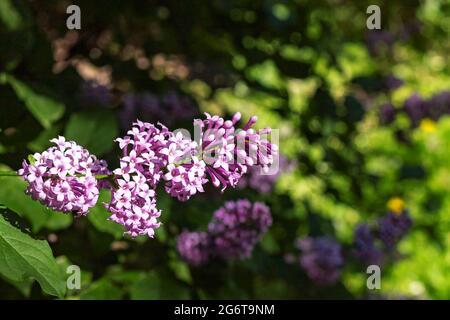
x: 194, y: 247
x: 393, y: 227
x: 321, y: 258
x: 228, y: 152
x: 63, y: 177
x: 365, y: 248
x: 133, y: 205
x: 94, y: 94
x: 237, y: 227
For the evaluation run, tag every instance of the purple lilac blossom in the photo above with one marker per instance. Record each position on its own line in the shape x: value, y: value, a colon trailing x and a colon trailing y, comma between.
x: 392, y: 82
x: 393, y: 227
x: 194, y: 247
x: 439, y: 105
x: 148, y: 107
x: 387, y: 113
x: 228, y: 152
x: 185, y: 172
x: 93, y: 94
x: 365, y: 248
x: 416, y: 108
x: 321, y: 258
x: 133, y: 202
x: 63, y: 177
x: 237, y: 227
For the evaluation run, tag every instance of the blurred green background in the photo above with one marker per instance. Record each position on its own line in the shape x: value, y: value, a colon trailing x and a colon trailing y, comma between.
x: 311, y: 69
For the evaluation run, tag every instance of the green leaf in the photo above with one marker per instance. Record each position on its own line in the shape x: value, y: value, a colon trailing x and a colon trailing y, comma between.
x: 102, y: 289
x: 98, y: 216
x: 45, y: 109
x: 12, y: 195
x: 10, y: 17
x: 58, y: 221
x: 153, y: 286
x: 94, y: 129
x: 31, y: 159
x: 23, y: 257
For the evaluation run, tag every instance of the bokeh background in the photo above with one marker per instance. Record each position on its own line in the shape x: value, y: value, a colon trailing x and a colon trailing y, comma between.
x: 363, y: 120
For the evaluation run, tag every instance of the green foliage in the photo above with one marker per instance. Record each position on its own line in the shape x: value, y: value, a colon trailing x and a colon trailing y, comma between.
x: 12, y: 195
x: 24, y: 257
x: 45, y: 109
x: 93, y: 130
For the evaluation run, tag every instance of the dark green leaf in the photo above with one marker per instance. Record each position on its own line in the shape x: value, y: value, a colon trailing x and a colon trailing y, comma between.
x: 23, y: 257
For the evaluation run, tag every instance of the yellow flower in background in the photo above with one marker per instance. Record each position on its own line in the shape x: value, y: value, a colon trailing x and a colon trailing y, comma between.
x: 396, y: 205
x: 427, y: 125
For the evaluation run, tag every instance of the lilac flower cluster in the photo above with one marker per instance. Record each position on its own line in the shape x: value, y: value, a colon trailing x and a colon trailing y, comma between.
x: 237, y: 227
x: 153, y: 154
x: 393, y: 227
x: 372, y: 246
x: 194, y: 247
x: 149, y: 107
x: 63, y: 177
x: 365, y: 247
x: 232, y: 233
x: 133, y: 202
x: 229, y: 152
x: 418, y: 108
x: 321, y: 258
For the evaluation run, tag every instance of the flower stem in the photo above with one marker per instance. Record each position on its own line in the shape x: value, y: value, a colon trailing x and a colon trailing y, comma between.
x: 8, y: 173
x: 14, y: 174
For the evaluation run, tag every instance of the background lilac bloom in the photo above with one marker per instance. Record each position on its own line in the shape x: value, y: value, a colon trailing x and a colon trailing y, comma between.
x: 439, y: 105
x: 321, y: 258
x: 148, y: 107
x: 264, y: 183
x: 63, y: 177
x: 416, y: 108
x: 237, y: 227
x: 387, y: 113
x: 194, y: 247
x: 393, y: 227
x: 365, y: 248
x: 392, y: 82
x: 94, y: 94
